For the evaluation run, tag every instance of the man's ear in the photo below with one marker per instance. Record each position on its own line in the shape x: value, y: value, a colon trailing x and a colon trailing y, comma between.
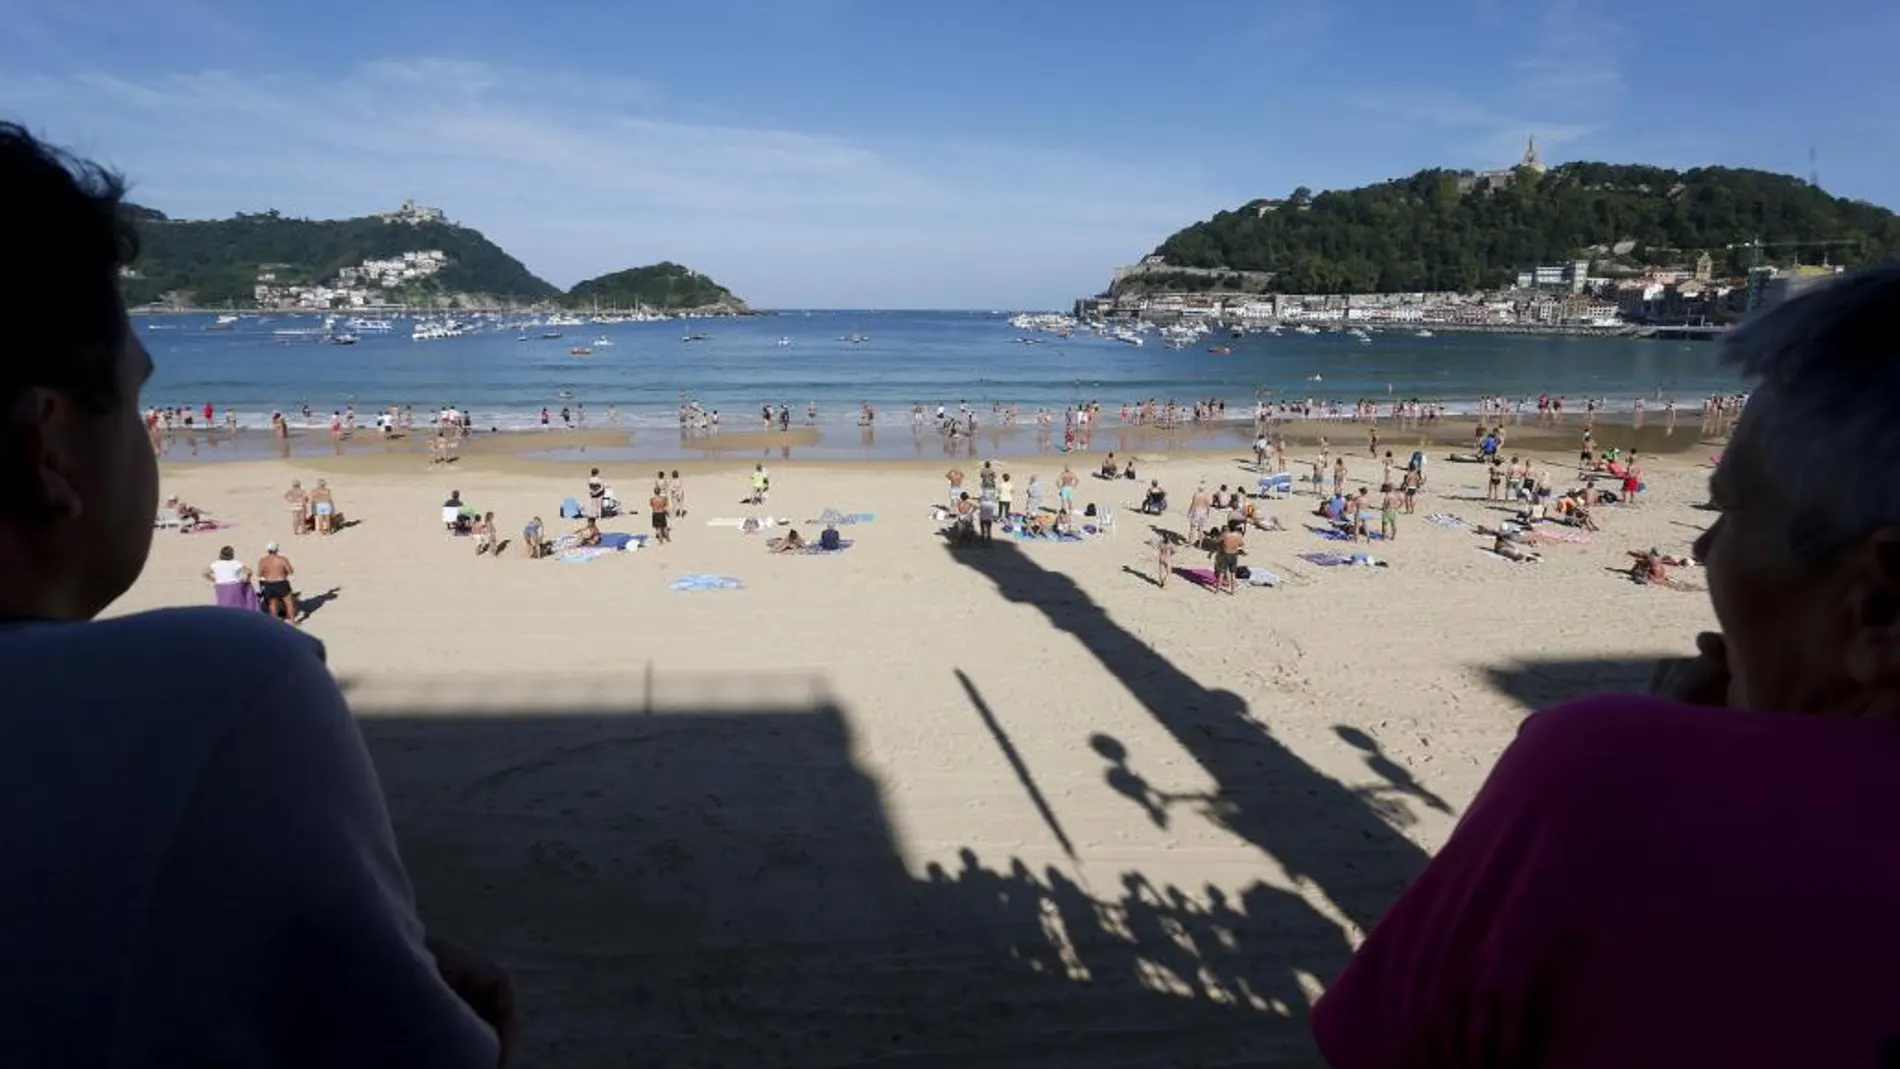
x: 36, y: 464
x: 1873, y: 599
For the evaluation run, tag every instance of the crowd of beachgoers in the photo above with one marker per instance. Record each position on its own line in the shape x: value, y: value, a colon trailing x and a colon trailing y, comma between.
x: 1540, y: 500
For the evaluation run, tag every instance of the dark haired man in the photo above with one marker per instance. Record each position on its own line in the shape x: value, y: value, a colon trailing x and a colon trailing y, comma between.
x: 211, y: 882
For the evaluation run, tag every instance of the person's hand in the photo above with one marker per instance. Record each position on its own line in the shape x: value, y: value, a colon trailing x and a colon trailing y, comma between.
x: 1699, y: 680
x: 483, y: 985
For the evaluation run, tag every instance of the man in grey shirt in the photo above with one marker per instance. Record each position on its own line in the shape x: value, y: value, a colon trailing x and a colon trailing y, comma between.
x: 199, y: 867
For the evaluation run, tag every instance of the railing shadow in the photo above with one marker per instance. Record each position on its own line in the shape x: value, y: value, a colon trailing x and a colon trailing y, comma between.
x: 702, y: 875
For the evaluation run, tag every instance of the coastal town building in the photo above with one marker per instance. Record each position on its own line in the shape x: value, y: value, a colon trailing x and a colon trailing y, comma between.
x: 364, y: 285
x: 1492, y: 181
x: 414, y: 214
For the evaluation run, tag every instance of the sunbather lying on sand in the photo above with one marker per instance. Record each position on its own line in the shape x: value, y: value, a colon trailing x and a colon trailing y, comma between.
x: 189, y: 516
x: 1507, y: 542
x: 1505, y: 547
x: 1652, y: 565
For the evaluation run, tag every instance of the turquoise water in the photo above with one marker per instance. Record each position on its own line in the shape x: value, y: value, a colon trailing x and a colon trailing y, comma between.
x: 927, y: 358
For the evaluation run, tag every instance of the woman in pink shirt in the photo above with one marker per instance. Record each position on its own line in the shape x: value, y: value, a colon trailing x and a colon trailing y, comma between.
x: 1710, y: 877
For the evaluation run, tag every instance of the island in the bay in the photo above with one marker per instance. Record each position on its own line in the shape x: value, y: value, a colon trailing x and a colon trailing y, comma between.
x: 412, y: 258
x: 1589, y: 246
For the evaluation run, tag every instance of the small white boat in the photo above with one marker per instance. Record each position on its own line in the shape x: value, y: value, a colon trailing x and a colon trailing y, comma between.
x: 1425, y: 334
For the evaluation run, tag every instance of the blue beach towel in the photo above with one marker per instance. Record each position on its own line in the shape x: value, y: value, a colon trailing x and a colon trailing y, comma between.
x: 622, y: 540
x: 1326, y: 560
x: 702, y: 581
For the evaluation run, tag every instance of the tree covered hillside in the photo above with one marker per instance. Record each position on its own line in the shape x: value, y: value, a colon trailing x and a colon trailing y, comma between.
x: 663, y: 286
x: 217, y: 260
x: 1422, y: 233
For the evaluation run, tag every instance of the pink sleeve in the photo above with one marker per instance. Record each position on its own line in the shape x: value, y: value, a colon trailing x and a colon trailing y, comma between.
x: 1456, y: 971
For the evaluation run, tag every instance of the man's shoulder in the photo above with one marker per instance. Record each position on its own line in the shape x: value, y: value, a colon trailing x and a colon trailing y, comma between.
x: 1613, y: 718
x: 195, y: 631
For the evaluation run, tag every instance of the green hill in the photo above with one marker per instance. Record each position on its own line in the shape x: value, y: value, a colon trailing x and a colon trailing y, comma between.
x: 663, y: 286
x: 214, y: 261
x: 1450, y: 230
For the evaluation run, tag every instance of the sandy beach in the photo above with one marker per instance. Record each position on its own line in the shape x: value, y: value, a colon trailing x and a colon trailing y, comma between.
x: 907, y: 804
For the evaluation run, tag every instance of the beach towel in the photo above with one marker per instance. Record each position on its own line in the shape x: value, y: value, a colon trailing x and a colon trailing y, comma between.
x: 1201, y: 577
x: 1338, y: 560
x: 1560, y: 534
x: 833, y: 518
x: 764, y: 521
x: 1499, y: 556
x: 236, y: 595
x: 703, y: 581
x: 1023, y: 535
x: 1327, y: 560
x: 206, y: 524
x: 621, y: 540
x: 583, y: 554
x: 1335, y: 534
x: 1262, y: 577
x: 1449, y: 522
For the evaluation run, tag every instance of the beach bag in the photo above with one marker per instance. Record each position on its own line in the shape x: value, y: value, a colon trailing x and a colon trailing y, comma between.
x: 1089, y: 509
x: 1243, y: 572
x: 830, y: 539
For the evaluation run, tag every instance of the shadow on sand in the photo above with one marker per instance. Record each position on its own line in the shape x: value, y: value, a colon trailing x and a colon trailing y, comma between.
x: 1541, y: 684
x: 698, y: 873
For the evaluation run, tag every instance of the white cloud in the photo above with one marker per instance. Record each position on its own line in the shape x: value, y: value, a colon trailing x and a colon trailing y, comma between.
x: 1563, y: 88
x: 578, y: 174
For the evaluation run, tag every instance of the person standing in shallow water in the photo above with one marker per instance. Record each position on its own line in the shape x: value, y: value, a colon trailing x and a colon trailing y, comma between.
x: 226, y: 887
x: 1707, y: 876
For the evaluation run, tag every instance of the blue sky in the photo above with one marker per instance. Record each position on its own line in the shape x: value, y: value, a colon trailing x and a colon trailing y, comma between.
x: 917, y: 153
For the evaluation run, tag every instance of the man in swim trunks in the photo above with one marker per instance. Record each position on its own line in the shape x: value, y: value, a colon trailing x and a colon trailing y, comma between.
x: 1632, y: 480
x: 273, y: 585
x: 1227, y: 560
x: 955, y: 478
x: 659, y: 503
x: 1197, y: 510
x: 323, y: 507
x: 1065, y: 487
x: 1389, y: 504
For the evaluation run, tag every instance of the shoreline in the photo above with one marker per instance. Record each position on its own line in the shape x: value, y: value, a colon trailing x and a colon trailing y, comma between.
x: 531, y: 452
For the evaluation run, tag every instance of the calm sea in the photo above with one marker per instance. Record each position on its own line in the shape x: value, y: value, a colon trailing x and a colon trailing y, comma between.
x: 905, y: 358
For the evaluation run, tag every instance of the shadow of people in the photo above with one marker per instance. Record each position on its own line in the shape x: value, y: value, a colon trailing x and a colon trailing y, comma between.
x: 308, y: 607
x: 1397, y: 777
x: 720, y: 884
x: 1317, y: 828
x: 1126, y: 781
